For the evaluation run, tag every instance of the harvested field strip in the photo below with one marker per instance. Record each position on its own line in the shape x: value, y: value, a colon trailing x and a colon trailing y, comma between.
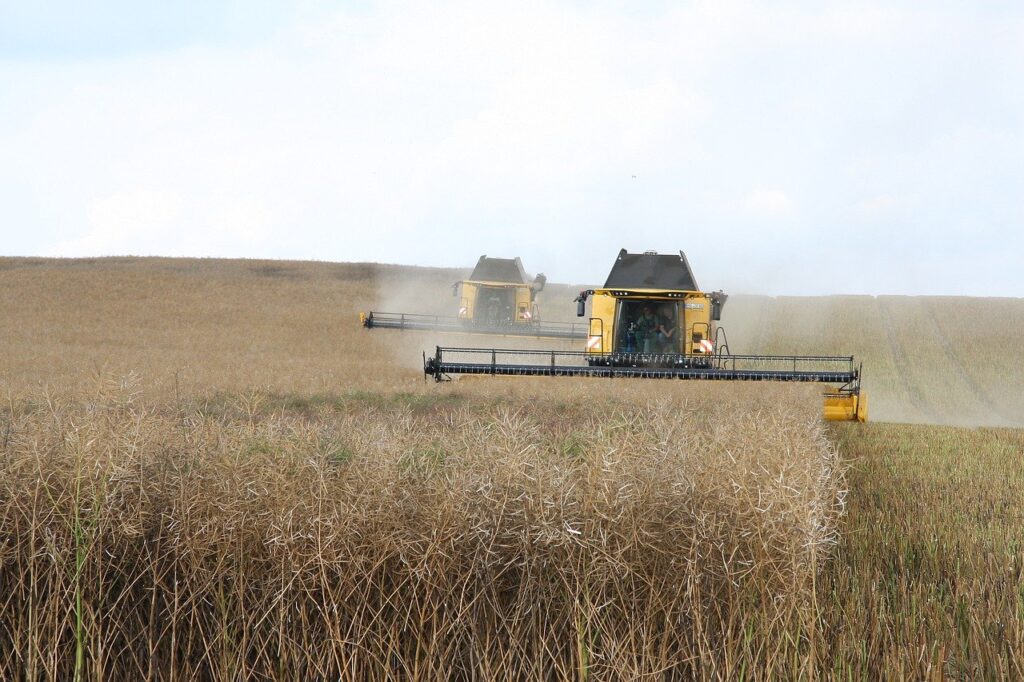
x: 912, y: 394
x: 926, y: 359
x: 937, y: 373
x: 985, y: 406
x: 985, y: 337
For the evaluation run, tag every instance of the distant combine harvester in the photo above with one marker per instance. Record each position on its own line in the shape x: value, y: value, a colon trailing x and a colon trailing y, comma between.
x: 498, y: 298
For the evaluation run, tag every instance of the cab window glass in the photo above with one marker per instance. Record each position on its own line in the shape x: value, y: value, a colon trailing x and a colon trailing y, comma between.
x: 647, y: 326
x: 495, y: 306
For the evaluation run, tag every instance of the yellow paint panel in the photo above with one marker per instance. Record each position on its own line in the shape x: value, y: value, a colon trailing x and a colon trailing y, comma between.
x: 846, y: 408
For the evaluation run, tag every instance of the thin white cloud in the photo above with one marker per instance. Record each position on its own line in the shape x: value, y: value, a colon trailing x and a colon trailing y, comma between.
x: 879, y: 206
x: 425, y: 133
x: 154, y: 222
x: 767, y: 203
x: 133, y: 221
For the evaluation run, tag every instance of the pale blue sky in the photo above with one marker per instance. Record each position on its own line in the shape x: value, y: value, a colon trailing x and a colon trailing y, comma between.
x: 806, y: 148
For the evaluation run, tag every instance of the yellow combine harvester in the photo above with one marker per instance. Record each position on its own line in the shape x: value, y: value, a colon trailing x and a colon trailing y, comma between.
x: 497, y: 298
x: 499, y: 293
x: 651, y: 320
x: 650, y: 305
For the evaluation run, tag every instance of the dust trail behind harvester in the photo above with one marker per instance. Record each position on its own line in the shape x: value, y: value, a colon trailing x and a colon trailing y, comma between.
x: 429, y: 291
x: 936, y: 360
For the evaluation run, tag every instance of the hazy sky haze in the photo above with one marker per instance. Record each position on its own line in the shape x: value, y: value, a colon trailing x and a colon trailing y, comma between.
x: 809, y: 148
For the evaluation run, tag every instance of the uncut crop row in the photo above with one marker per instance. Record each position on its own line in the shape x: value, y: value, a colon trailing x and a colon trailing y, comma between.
x: 412, y: 536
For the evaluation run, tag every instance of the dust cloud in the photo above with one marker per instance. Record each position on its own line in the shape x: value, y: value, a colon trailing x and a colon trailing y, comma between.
x: 429, y: 291
x: 923, y: 360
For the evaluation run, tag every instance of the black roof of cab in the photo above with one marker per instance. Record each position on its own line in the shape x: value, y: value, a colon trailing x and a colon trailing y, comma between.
x: 651, y: 270
x: 508, y: 270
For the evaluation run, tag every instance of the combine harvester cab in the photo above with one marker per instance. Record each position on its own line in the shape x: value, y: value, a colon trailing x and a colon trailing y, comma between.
x: 651, y: 320
x: 497, y: 298
x: 651, y: 307
x: 499, y: 294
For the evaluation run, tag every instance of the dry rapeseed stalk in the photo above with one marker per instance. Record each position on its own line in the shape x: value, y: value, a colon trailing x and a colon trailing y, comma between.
x: 468, y: 537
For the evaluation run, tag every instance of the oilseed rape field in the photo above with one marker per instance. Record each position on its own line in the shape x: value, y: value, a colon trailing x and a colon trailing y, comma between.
x: 209, y: 469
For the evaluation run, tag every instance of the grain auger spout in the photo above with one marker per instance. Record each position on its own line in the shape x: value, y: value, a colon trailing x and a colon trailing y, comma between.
x: 651, y: 321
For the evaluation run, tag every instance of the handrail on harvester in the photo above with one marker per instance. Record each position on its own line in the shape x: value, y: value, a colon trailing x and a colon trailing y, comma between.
x: 509, y: 362
x: 422, y: 322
